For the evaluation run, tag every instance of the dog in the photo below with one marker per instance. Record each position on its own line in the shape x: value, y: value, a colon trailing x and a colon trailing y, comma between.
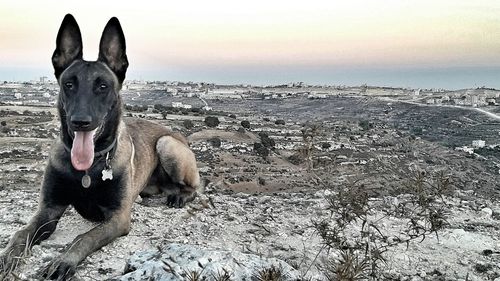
x: 101, y: 163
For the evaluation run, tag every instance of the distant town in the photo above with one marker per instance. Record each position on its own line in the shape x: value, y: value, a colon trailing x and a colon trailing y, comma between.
x: 43, y: 92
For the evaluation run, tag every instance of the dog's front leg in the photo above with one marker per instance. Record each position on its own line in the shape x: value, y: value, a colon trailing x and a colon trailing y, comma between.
x: 41, y: 226
x: 85, y: 244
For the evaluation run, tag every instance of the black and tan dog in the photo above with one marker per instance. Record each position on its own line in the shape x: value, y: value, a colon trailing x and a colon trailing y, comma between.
x: 101, y: 163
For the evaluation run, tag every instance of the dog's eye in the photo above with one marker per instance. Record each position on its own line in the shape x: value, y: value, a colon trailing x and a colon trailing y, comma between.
x: 103, y: 87
x: 68, y: 85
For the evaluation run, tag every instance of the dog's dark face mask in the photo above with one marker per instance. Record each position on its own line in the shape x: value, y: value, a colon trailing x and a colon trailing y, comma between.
x: 88, y: 89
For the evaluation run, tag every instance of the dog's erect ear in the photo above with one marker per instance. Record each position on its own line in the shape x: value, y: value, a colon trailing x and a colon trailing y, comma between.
x: 68, y: 45
x: 112, y: 48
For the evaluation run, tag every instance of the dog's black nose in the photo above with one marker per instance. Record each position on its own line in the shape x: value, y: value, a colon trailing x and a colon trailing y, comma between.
x: 81, y: 121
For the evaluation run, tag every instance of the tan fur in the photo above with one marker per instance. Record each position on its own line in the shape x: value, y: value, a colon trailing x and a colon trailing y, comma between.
x: 155, y: 145
x: 142, y: 146
x: 177, y: 160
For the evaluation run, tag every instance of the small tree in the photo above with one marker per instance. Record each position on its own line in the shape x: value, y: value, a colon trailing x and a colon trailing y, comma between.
x: 355, y: 232
x: 212, y: 121
x: 309, y: 134
x: 245, y: 124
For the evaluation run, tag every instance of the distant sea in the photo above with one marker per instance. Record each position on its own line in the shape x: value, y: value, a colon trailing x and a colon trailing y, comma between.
x: 448, y: 78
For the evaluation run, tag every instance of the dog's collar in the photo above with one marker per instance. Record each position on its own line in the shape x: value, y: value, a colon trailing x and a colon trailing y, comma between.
x: 106, y: 150
x: 98, y: 154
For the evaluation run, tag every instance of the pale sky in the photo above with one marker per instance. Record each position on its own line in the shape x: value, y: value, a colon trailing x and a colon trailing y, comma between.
x: 266, y: 41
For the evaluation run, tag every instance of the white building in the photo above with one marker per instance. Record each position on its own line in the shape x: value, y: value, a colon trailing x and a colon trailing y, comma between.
x: 176, y: 104
x: 478, y: 143
x: 316, y: 96
x: 172, y: 91
x: 469, y: 150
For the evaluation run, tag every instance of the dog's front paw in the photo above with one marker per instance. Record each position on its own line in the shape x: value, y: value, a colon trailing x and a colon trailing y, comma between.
x: 8, y: 263
x: 180, y: 200
x: 6, y: 266
x: 59, y: 269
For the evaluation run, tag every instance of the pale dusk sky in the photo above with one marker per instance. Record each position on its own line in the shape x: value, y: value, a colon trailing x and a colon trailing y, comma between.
x: 417, y: 43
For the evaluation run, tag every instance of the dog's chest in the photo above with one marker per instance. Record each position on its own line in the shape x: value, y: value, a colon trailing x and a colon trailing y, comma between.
x: 99, y: 200
x: 95, y: 202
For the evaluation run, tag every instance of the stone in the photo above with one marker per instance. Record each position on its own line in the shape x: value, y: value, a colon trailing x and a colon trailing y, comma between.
x: 177, y: 261
x: 487, y: 211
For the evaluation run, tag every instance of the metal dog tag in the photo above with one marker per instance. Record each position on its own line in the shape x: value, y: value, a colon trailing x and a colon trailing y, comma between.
x: 107, y: 174
x: 86, y: 181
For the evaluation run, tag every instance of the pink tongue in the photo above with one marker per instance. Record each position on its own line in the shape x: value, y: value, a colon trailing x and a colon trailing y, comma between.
x: 82, y: 152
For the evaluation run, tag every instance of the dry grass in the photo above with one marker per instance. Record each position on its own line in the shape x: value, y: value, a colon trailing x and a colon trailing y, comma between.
x: 195, y: 276
x: 7, y: 269
x: 358, y: 238
x: 223, y: 275
x: 272, y: 273
x: 350, y: 266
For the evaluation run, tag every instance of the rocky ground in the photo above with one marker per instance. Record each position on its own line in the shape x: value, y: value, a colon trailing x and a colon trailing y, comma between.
x: 263, y: 196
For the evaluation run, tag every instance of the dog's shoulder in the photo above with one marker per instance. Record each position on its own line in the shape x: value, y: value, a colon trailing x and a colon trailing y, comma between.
x: 142, y: 124
x: 144, y: 129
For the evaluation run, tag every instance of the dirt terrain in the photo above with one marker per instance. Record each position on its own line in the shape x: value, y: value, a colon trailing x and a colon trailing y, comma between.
x: 262, y: 195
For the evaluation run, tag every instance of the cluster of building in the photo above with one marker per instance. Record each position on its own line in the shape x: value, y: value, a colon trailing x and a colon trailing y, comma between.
x: 470, y: 97
x: 210, y: 91
x: 43, y: 91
